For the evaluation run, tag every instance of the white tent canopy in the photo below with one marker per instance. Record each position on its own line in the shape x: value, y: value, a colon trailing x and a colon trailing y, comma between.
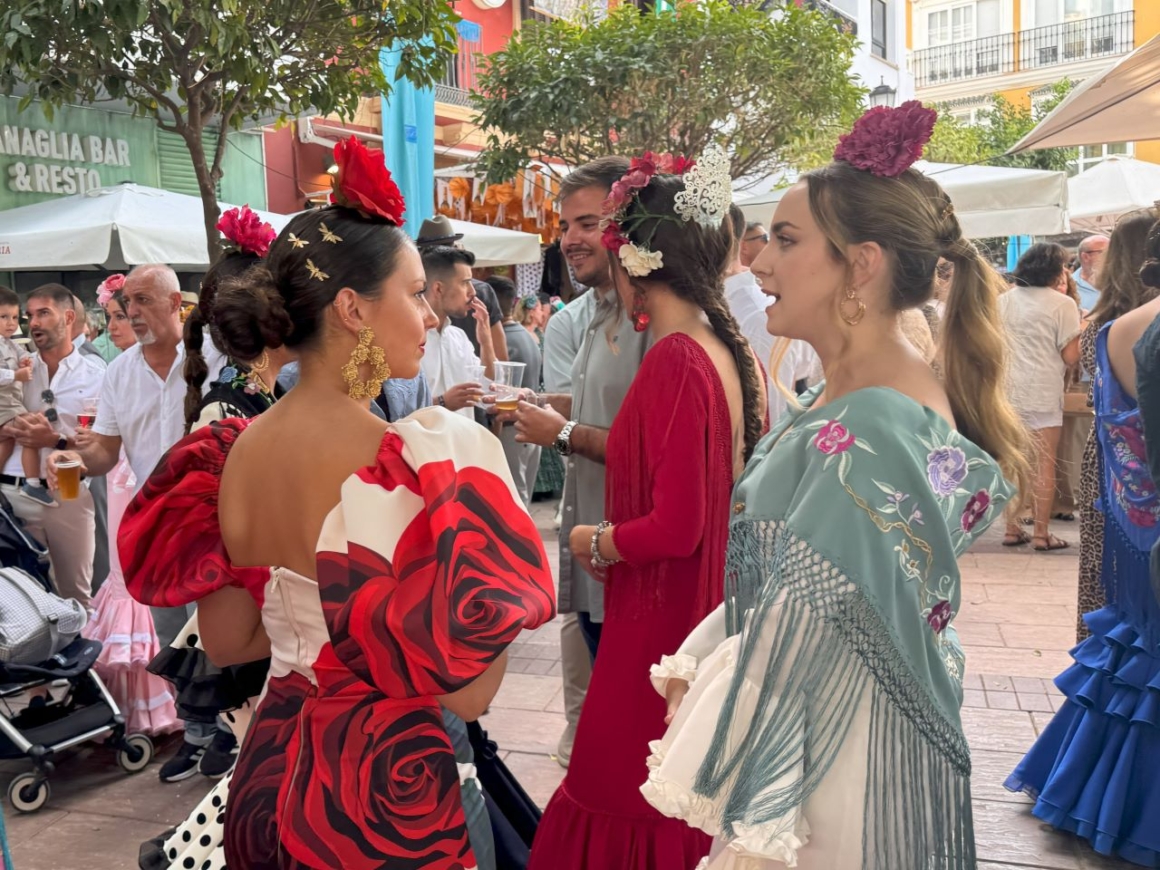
x: 989, y: 200
x: 492, y: 246
x: 1121, y: 104
x: 128, y: 224
x: 110, y: 227
x: 1111, y: 188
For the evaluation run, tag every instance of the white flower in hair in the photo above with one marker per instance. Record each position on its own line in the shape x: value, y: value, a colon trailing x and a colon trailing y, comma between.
x: 708, y: 190
x: 638, y: 261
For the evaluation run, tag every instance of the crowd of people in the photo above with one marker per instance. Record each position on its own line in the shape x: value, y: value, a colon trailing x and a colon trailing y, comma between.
x: 773, y: 443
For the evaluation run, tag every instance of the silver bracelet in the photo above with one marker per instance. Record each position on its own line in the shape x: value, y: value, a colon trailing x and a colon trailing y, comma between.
x: 599, y: 562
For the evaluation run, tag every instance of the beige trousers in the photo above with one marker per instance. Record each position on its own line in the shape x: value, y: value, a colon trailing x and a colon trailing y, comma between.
x: 70, y: 533
x: 576, y: 667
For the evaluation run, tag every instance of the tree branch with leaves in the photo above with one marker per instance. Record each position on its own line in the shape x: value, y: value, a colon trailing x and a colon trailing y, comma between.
x: 196, y: 66
x: 758, y: 82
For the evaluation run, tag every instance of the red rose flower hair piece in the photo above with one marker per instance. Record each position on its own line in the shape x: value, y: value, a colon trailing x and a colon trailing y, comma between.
x: 246, y: 232
x: 886, y: 142
x: 364, y: 183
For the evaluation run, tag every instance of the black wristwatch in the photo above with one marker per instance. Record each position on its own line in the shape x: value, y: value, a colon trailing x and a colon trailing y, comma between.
x: 62, y: 443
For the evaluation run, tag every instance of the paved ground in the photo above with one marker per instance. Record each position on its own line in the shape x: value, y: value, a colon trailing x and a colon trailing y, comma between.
x: 1017, y: 623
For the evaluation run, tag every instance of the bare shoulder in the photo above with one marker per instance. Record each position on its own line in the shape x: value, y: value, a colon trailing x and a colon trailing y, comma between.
x: 916, y: 380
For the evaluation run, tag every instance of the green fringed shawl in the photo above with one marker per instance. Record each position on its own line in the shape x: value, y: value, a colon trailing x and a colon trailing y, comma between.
x: 852, y: 519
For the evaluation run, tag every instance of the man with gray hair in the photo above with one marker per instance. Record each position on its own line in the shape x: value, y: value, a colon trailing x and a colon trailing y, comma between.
x: 1091, y: 258
x: 143, y: 410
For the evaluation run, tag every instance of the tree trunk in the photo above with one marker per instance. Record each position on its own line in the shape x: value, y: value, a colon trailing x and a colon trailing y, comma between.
x: 191, y: 133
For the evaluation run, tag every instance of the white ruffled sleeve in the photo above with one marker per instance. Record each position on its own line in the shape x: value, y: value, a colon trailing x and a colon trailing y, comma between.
x: 700, y: 643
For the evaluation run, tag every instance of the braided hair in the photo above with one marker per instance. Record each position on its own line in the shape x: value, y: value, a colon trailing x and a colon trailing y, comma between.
x: 230, y: 265
x: 695, y: 258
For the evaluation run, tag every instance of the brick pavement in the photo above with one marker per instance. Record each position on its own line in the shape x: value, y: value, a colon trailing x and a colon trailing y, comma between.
x: 1016, y: 623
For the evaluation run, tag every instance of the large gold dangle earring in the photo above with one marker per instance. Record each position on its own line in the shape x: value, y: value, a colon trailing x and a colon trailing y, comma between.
x: 365, y: 353
x: 852, y: 308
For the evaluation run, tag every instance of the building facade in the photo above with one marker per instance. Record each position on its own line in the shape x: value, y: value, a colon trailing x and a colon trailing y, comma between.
x: 964, y: 52
x: 880, y: 59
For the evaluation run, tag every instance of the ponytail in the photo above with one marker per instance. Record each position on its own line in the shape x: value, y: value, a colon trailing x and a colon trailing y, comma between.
x: 974, y: 357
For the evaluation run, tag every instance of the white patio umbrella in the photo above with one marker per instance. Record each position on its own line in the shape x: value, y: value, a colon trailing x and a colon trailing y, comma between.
x: 1111, y: 188
x: 110, y: 227
x: 989, y: 200
x: 1121, y: 104
x: 492, y: 246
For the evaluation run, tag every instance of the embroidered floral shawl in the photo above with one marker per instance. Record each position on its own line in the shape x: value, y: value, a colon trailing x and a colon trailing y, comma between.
x: 850, y: 519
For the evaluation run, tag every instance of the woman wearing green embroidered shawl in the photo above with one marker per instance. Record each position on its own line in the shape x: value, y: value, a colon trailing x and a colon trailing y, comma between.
x: 815, y: 715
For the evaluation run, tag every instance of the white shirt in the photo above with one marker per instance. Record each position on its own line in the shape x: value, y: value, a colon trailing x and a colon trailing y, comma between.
x: 1040, y: 323
x: 147, y: 413
x: 447, y: 362
x: 78, y: 377
x: 748, y: 306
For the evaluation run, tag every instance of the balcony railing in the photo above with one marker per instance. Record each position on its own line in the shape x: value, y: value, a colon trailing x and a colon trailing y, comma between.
x: 846, y: 23
x: 1074, y: 41
x: 459, y: 79
x: 1092, y: 38
x: 992, y: 55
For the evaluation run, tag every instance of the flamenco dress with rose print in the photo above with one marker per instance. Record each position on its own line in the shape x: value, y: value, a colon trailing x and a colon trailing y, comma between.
x: 1093, y: 770
x: 821, y: 728
x: 428, y: 567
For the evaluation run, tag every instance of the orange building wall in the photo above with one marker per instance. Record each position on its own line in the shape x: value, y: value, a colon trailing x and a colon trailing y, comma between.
x: 1147, y: 20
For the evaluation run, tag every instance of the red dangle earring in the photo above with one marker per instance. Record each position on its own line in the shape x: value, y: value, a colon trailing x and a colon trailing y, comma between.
x: 639, y: 315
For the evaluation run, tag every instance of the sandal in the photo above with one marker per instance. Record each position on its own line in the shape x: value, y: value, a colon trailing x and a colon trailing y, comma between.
x: 1052, y: 543
x: 1067, y: 517
x: 1016, y: 539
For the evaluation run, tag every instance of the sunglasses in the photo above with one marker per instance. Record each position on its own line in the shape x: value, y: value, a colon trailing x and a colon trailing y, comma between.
x: 764, y: 237
x: 49, y: 398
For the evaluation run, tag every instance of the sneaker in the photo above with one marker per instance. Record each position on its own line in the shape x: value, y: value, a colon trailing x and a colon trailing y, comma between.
x: 220, y: 756
x: 183, y: 765
x: 38, y: 494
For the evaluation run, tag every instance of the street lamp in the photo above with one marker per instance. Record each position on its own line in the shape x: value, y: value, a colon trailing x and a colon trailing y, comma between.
x: 882, y: 95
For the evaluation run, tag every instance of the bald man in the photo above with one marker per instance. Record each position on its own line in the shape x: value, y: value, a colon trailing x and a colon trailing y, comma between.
x: 1091, y: 258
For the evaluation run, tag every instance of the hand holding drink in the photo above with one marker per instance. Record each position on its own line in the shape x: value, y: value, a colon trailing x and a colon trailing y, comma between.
x: 65, y: 468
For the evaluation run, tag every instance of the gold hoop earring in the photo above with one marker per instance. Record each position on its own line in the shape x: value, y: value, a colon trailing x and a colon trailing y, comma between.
x: 852, y: 318
x: 365, y: 353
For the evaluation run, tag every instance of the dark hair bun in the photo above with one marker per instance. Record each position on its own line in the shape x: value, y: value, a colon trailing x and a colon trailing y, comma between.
x: 250, y: 315
x: 1150, y: 273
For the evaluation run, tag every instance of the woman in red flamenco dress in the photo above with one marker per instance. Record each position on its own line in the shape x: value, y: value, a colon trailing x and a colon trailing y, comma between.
x: 693, y: 414
x: 407, y: 563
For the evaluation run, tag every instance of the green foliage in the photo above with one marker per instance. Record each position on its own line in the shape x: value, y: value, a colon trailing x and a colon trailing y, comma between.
x: 196, y: 64
x: 998, y: 129
x: 767, y: 87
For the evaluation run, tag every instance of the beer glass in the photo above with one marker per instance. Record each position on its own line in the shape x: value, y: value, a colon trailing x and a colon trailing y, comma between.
x: 68, y: 479
x: 509, y: 377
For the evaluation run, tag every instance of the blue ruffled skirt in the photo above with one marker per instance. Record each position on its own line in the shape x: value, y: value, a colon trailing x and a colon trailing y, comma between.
x: 1095, y: 770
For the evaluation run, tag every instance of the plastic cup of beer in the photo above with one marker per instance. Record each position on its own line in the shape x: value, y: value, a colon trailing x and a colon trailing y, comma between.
x: 509, y: 377
x: 478, y: 375
x: 68, y: 479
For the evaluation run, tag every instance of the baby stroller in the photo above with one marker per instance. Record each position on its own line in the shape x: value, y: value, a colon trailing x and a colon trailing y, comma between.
x: 49, y: 722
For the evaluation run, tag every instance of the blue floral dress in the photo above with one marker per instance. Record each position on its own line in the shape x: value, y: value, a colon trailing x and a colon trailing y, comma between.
x: 1094, y: 769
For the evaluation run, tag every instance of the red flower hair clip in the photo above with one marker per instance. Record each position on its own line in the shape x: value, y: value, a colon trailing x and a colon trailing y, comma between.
x: 246, y: 232
x: 364, y: 183
x: 886, y: 142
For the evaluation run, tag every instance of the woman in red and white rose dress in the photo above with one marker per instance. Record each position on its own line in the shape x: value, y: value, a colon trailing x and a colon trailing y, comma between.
x: 407, y: 561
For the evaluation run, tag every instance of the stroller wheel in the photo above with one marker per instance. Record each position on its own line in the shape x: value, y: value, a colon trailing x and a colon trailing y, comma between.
x: 135, y: 754
x: 27, y: 793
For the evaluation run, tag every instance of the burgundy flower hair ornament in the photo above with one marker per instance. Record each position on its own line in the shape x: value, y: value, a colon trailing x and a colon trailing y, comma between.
x: 364, y: 183
x: 886, y: 142
x: 109, y: 288
x: 246, y: 232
